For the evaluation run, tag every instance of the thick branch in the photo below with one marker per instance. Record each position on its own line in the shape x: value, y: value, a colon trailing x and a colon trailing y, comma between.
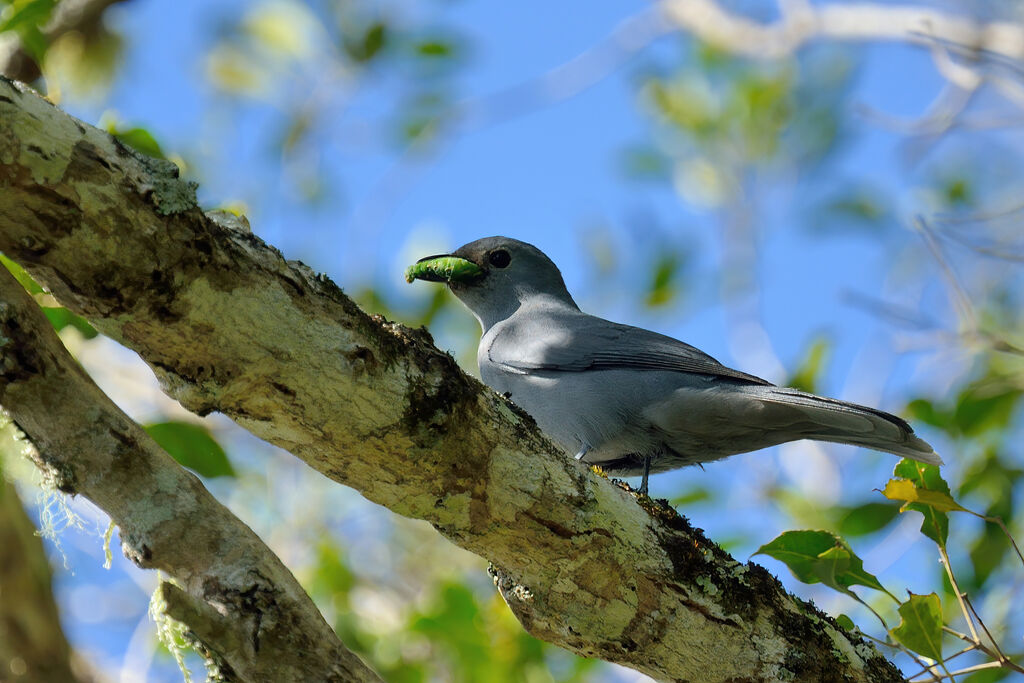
x: 854, y: 22
x: 269, y: 628
x: 228, y: 325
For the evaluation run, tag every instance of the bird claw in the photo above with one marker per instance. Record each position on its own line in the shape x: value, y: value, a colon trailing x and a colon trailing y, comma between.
x: 647, y: 472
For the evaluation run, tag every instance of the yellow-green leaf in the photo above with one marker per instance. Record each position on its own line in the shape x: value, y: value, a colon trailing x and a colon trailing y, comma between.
x: 920, y: 626
x: 902, y: 489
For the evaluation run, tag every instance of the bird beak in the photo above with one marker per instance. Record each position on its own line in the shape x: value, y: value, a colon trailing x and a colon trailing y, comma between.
x: 443, y: 268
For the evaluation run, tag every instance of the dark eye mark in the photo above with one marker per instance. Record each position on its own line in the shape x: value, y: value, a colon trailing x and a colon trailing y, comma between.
x: 499, y: 258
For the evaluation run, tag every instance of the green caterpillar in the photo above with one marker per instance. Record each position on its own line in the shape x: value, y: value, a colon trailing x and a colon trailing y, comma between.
x: 443, y: 269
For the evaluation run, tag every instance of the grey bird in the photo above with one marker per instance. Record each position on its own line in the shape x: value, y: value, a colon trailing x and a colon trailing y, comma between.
x: 624, y: 398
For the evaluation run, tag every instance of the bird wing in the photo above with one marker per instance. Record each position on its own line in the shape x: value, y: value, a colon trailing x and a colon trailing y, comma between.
x: 574, y: 342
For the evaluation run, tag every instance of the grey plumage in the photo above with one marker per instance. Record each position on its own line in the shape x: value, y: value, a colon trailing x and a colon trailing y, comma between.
x: 625, y: 398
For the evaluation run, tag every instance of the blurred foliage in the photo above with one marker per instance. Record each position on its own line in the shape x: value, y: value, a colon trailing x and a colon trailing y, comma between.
x: 193, y: 446
x: 451, y: 632
x: 58, y: 316
x: 806, y: 375
x: 726, y: 116
x: 26, y: 18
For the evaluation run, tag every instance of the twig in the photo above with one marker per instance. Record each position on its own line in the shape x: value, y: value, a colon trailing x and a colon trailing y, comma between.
x: 959, y: 595
x: 969, y: 648
x: 1001, y: 657
x: 959, y: 293
x: 905, y: 650
x: 852, y: 22
x: 999, y: 521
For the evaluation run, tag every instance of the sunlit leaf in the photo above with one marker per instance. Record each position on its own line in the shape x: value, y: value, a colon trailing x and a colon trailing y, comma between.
x: 924, y: 490
x: 58, y: 316
x: 820, y: 557
x: 905, y: 490
x: 139, y: 139
x: 192, y: 446
x: 920, y: 628
x: 23, y: 278
x: 26, y: 19
x: 61, y: 317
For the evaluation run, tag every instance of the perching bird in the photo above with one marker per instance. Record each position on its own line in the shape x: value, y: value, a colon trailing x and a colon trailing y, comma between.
x: 627, y: 399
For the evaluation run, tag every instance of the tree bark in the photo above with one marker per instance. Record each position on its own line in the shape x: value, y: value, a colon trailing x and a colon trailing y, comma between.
x: 235, y: 595
x: 228, y: 325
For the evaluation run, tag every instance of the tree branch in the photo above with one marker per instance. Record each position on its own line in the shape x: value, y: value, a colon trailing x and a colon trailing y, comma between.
x: 269, y: 629
x: 855, y: 22
x: 228, y: 325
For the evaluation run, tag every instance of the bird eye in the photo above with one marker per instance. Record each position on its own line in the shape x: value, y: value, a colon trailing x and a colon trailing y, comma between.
x: 499, y: 258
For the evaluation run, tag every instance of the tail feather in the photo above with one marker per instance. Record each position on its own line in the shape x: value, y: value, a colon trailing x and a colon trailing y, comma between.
x: 828, y: 419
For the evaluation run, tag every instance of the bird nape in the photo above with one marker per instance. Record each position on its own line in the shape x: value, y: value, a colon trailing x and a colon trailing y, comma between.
x: 629, y: 400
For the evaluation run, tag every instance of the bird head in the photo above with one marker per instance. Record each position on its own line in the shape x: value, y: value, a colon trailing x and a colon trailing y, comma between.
x: 494, y: 277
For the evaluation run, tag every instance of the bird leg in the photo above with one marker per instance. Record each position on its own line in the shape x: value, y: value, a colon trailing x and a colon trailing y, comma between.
x: 647, y: 472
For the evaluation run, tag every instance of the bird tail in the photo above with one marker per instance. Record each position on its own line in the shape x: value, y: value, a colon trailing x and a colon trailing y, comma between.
x: 828, y: 419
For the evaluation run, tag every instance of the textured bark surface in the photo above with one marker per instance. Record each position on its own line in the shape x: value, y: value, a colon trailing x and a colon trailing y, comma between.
x: 33, y: 648
x: 256, y: 616
x: 229, y: 325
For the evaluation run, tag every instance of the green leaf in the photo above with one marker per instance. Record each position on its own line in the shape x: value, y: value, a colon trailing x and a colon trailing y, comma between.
x: 139, y: 139
x: 23, y: 278
x: 920, y: 626
x: 664, y: 279
x: 922, y: 410
x: 846, y: 622
x: 867, y: 518
x: 923, y: 489
x: 980, y: 408
x: 696, y: 494
x: 363, y: 48
x: 820, y: 557
x: 192, y: 446
x: 61, y: 317
x: 435, y: 48
x: 806, y: 376
x: 33, y: 13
